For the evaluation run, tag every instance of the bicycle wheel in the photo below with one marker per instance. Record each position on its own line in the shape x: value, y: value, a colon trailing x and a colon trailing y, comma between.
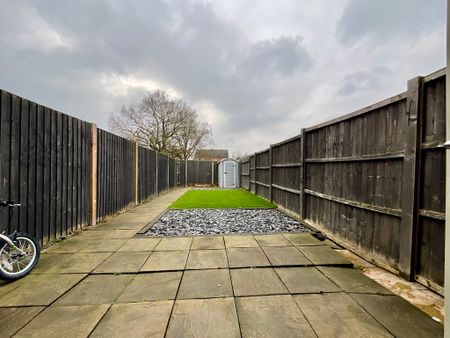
x: 15, y: 264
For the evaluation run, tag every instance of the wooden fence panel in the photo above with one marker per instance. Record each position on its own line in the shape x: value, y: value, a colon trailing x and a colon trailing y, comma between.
x: 286, y: 174
x: 147, y: 174
x: 115, y: 174
x: 200, y: 172
x: 353, y: 179
x: 163, y: 173
x: 172, y: 173
x: 181, y: 173
x: 35, y: 171
x: 252, y: 172
x: 262, y: 174
x: 431, y: 201
x: 245, y: 173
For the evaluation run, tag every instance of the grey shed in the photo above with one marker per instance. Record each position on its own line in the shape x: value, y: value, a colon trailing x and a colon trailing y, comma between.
x: 228, y: 173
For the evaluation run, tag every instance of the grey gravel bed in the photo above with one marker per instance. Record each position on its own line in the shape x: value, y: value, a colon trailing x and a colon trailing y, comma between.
x: 186, y: 222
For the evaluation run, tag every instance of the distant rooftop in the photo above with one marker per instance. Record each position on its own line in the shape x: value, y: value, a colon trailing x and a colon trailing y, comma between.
x: 211, y: 154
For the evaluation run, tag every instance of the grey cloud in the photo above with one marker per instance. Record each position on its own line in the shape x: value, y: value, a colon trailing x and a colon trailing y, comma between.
x: 284, y: 56
x: 383, y: 19
x: 370, y: 79
x: 185, y: 45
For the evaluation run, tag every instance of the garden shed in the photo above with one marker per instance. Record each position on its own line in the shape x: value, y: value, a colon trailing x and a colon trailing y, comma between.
x: 228, y: 173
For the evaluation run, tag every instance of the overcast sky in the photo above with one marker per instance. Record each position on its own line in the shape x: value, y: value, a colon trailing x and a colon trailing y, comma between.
x: 257, y: 71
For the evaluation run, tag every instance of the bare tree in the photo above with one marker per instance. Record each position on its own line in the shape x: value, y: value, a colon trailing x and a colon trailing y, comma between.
x: 164, y: 124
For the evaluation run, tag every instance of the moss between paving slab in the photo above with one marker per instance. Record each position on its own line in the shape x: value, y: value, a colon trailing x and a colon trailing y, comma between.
x: 217, y: 199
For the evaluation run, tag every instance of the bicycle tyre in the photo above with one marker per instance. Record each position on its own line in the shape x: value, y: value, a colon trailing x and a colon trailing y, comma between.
x: 12, y: 276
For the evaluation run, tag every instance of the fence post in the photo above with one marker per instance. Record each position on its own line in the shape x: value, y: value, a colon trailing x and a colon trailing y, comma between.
x: 302, y: 174
x: 270, y: 173
x: 93, y: 178
x: 136, y: 173
x: 410, y: 178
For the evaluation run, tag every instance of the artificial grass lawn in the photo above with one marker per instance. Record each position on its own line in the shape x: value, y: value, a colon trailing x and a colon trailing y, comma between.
x: 233, y: 198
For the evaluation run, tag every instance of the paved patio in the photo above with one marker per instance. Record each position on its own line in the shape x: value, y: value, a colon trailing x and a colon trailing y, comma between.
x: 108, y: 282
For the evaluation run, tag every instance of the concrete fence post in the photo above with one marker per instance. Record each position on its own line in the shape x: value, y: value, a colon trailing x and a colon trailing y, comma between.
x: 411, y: 163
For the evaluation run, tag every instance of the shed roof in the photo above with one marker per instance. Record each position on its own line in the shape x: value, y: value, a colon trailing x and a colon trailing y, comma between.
x: 227, y: 159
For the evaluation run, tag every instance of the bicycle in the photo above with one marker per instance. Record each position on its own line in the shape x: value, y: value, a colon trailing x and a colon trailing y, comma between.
x: 19, y: 252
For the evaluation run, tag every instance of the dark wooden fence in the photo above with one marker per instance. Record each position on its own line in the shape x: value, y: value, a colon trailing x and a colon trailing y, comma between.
x: 66, y: 173
x: 115, y: 174
x: 373, y: 180
x: 200, y: 172
x: 147, y: 174
x: 44, y: 165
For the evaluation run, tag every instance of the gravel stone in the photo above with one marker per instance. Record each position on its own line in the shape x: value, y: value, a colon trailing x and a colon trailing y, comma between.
x: 189, y: 222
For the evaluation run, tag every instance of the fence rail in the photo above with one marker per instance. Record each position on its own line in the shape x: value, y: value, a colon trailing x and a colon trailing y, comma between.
x: 67, y: 173
x: 373, y: 180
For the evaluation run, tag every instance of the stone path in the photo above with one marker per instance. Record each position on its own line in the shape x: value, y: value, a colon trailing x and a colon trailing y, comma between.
x: 107, y: 282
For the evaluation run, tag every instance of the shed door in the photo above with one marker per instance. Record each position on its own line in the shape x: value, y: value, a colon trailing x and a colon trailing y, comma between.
x: 229, y: 176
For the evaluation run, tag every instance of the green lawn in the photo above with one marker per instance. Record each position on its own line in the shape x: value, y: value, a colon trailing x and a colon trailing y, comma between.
x: 236, y: 198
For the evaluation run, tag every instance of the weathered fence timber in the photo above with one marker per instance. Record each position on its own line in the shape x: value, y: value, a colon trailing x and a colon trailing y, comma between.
x: 200, y: 172
x: 373, y: 180
x: 44, y: 164
x: 66, y: 173
x: 115, y: 174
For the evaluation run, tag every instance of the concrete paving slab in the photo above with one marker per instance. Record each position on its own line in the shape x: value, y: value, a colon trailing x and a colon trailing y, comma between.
x: 272, y: 316
x: 64, y: 321
x: 306, y: 280
x: 70, y: 245
x: 121, y: 262
x: 254, y: 282
x: 166, y: 261
x: 174, y: 244
x: 69, y: 263
x: 102, y: 234
x: 208, y: 243
x: 128, y: 220
x: 338, y: 315
x: 205, y: 284
x: 103, y: 245
x: 272, y: 240
x: 240, y: 242
x: 96, y: 289
x: 246, y: 257
x: 151, y: 286
x: 207, y: 259
x: 206, y: 318
x: 6, y: 287
x: 302, y: 239
x: 14, y: 318
x: 324, y: 255
x: 140, y: 244
x: 40, y: 289
x: 399, y: 317
x: 135, y: 320
x: 351, y: 280
x: 285, y: 255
